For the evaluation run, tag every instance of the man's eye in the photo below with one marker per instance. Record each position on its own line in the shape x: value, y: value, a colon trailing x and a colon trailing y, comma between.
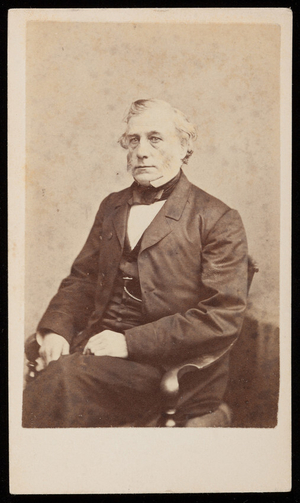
x: 155, y: 139
x: 133, y: 142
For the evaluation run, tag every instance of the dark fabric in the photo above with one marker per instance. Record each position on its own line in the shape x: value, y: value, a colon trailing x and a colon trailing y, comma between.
x: 123, y: 312
x: 129, y: 267
x: 101, y: 391
x: 192, y: 265
x: 124, y: 309
x: 150, y: 194
x: 193, y: 274
x: 89, y: 391
x: 201, y: 391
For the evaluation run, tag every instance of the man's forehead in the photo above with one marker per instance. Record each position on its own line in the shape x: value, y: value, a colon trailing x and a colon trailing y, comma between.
x: 155, y: 119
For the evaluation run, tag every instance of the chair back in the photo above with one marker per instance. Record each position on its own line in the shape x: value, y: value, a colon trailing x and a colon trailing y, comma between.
x: 252, y: 269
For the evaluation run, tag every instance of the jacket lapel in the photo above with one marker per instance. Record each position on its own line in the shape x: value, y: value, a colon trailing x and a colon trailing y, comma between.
x: 119, y: 216
x: 162, y: 224
x: 120, y: 222
x: 167, y: 217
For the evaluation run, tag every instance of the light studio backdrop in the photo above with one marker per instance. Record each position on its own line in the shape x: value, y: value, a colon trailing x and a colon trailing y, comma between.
x: 81, y: 79
x: 73, y: 75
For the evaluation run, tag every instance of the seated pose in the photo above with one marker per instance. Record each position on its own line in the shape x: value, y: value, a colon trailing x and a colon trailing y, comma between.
x: 162, y: 278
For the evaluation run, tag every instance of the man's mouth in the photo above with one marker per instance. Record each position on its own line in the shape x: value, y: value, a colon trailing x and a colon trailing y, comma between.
x: 142, y: 167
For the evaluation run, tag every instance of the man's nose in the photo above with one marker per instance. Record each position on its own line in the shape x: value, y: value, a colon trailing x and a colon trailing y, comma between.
x: 143, y: 149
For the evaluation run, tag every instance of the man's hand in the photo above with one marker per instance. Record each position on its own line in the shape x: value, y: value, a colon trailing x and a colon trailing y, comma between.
x: 107, y: 343
x: 52, y: 347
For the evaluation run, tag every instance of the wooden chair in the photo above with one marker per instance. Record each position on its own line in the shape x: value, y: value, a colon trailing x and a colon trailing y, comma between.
x: 170, y: 384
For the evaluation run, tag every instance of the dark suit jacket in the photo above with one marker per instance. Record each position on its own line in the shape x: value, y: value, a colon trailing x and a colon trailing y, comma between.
x: 193, y: 274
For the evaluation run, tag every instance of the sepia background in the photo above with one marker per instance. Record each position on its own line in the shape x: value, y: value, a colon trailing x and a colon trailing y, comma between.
x: 80, y: 81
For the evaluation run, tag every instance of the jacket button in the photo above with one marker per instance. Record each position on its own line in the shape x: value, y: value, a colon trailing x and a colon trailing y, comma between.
x: 100, y: 237
x: 110, y: 235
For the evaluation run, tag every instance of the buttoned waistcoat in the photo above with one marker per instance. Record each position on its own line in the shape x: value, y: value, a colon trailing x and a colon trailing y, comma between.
x: 193, y: 274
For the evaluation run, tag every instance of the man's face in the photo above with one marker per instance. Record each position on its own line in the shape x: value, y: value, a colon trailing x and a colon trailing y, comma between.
x: 155, y: 150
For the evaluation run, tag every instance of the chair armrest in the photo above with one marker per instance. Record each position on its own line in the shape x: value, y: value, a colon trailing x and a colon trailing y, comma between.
x: 32, y: 353
x: 169, y: 385
x: 32, y: 348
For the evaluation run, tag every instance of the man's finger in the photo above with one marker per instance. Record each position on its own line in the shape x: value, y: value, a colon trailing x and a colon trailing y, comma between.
x: 87, y: 349
x: 96, y: 349
x: 101, y: 352
x: 43, y: 354
x: 91, y: 344
x: 50, y: 354
x: 66, y: 349
x: 97, y: 337
x: 40, y: 364
x: 55, y: 354
x: 91, y: 350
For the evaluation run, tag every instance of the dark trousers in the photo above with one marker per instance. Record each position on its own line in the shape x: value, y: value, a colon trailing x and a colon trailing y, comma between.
x: 101, y: 391
x: 89, y: 391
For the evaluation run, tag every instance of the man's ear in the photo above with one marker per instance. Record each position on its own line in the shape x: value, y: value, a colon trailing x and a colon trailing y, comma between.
x: 184, y: 147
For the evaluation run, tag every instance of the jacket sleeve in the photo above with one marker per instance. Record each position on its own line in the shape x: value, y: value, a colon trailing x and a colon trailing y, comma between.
x: 216, y: 320
x: 70, y: 308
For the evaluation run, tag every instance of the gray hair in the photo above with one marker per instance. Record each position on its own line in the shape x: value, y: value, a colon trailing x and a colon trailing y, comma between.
x: 184, y: 127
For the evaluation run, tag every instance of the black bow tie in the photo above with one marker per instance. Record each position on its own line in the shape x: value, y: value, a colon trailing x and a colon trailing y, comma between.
x: 150, y: 194
x: 146, y: 195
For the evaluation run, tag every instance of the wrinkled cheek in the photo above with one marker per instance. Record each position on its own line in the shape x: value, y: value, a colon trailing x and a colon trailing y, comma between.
x: 129, y: 161
x: 165, y: 158
x: 167, y: 161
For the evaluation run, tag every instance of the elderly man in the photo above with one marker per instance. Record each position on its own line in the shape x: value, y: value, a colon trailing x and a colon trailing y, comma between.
x: 161, y: 278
